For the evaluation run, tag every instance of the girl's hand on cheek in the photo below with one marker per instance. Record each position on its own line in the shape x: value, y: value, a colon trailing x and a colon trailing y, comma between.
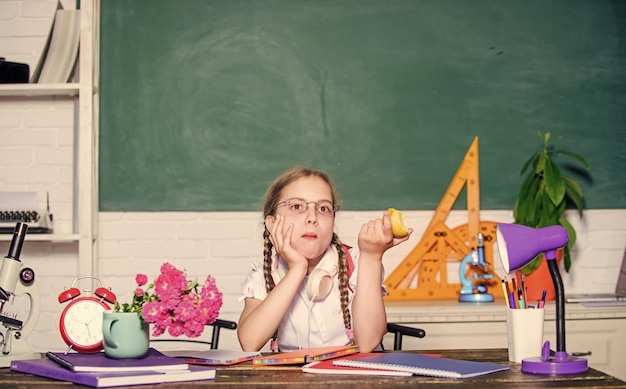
x: 280, y: 236
x: 274, y: 228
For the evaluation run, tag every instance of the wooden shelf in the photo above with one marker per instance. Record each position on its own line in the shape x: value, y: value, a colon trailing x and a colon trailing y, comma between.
x: 43, y: 238
x: 12, y: 90
x: 34, y: 90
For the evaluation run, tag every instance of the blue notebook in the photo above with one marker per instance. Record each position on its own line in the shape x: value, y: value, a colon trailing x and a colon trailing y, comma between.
x: 423, y: 365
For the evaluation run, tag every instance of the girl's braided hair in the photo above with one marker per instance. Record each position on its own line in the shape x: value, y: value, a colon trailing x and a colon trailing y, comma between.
x: 272, y: 196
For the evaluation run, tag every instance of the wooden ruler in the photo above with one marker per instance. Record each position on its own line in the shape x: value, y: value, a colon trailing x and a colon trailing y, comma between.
x: 440, y: 244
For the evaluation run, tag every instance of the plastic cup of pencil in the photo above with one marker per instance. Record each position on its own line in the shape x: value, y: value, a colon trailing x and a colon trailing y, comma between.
x: 524, y: 329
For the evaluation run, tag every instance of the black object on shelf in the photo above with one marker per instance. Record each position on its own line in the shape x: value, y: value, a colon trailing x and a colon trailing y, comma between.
x: 13, y: 72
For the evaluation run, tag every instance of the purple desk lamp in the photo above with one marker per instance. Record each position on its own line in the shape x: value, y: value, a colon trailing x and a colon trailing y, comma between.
x: 518, y: 245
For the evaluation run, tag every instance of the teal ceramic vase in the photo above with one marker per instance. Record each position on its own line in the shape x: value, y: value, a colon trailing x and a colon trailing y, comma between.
x: 125, y: 335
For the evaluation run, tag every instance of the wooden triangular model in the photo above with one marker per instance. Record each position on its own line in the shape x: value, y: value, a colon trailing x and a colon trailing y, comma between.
x: 427, y: 263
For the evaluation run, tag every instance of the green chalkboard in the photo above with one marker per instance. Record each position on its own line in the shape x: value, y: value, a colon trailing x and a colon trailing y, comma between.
x: 204, y: 102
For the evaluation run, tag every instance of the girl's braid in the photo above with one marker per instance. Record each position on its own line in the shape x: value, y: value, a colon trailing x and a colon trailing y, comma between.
x: 343, y: 282
x: 269, y: 280
x: 267, y: 262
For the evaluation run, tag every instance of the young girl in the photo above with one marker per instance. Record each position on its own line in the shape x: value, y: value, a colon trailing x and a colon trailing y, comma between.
x: 301, y: 296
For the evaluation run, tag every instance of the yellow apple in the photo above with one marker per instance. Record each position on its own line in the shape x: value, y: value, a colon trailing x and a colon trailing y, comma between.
x: 398, y: 223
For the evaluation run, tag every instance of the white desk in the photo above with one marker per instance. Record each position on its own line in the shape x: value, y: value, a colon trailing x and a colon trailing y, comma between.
x: 453, y: 325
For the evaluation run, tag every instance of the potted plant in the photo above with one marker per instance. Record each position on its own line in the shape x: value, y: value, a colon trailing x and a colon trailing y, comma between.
x: 546, y: 193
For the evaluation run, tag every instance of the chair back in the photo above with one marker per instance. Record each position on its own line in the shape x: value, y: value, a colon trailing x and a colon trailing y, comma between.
x: 213, y: 344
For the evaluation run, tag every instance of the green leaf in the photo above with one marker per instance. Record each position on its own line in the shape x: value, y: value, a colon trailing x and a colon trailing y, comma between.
x: 576, y: 157
x: 527, y: 197
x: 558, y: 211
x: 532, y: 265
x: 574, y: 192
x: 524, y: 203
x: 522, y: 211
x: 554, y: 182
x: 532, y: 161
x: 529, y: 187
x: 567, y: 259
x: 546, y: 214
x: 571, y: 240
x: 571, y: 232
x: 540, y: 163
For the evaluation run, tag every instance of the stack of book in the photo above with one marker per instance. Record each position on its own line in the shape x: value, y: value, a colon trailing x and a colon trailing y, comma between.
x: 97, y: 370
x: 60, y: 52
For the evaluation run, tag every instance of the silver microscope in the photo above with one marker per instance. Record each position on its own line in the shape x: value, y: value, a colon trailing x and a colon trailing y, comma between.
x: 17, y: 281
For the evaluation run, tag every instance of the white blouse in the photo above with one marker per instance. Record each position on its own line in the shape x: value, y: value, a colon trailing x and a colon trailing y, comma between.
x: 308, y: 323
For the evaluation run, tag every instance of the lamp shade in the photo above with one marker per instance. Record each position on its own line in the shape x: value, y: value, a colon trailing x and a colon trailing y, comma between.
x: 518, y: 245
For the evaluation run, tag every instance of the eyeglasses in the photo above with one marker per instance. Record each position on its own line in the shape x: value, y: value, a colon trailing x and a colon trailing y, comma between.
x: 299, y: 206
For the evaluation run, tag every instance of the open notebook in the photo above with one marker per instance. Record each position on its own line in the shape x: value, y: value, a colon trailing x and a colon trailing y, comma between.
x: 598, y: 299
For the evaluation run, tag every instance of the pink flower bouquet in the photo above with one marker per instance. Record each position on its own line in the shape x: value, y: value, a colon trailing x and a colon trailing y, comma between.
x: 174, y: 303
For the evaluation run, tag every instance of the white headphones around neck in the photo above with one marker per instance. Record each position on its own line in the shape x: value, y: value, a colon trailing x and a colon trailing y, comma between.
x: 319, y: 284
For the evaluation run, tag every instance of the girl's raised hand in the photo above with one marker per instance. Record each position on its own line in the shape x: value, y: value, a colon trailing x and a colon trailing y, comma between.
x: 376, y: 236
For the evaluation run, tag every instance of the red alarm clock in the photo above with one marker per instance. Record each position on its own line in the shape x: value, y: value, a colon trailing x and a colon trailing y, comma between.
x: 81, y: 320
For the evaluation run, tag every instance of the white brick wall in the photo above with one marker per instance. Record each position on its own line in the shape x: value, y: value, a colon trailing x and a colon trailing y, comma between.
x: 223, y: 244
x: 36, y: 141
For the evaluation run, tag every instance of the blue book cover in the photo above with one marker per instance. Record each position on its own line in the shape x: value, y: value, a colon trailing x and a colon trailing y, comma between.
x: 423, y: 365
x: 46, y: 368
